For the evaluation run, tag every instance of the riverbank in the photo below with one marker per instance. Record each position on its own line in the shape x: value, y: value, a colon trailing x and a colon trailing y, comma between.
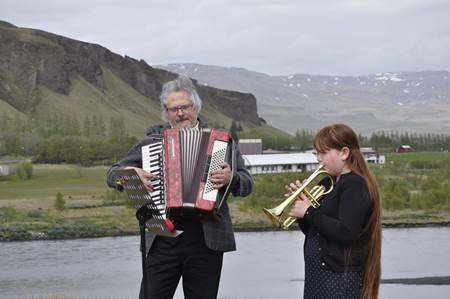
x: 80, y: 231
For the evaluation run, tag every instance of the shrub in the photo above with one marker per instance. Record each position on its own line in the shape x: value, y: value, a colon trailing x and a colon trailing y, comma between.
x: 25, y: 170
x: 35, y: 213
x: 2, y: 177
x: 417, y: 201
x: 10, y: 213
x: 60, y: 203
x: 12, y: 233
x: 80, y: 230
x: 393, y: 201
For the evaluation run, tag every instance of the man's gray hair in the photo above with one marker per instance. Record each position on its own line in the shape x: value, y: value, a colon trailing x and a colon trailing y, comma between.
x: 182, y: 83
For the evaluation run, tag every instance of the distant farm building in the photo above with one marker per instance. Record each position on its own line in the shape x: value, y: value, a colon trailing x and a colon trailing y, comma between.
x: 297, y: 162
x: 279, y: 163
x: 250, y: 146
x: 404, y: 149
x: 371, y: 156
x: 7, y: 165
x: 4, y: 169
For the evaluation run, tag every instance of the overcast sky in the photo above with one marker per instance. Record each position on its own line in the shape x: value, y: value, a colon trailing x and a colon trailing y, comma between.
x: 277, y: 37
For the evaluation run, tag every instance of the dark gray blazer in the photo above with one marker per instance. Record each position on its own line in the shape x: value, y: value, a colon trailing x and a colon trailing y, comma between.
x: 218, y: 235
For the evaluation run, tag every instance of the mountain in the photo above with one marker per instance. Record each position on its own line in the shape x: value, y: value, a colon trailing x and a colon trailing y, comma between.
x: 402, y: 101
x: 43, y: 74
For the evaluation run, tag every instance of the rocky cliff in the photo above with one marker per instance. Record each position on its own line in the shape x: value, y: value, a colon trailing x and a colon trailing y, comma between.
x: 30, y: 59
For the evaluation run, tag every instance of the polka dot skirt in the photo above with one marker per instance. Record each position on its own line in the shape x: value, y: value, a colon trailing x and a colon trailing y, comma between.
x: 320, y: 283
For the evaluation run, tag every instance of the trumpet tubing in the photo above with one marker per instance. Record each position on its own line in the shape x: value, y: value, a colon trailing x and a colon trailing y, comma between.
x: 279, y: 215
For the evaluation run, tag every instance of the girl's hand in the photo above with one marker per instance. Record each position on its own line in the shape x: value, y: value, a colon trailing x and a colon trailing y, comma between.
x: 299, y: 208
x: 292, y: 187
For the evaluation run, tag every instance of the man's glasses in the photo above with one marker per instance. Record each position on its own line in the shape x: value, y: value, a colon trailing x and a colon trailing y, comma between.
x: 182, y: 108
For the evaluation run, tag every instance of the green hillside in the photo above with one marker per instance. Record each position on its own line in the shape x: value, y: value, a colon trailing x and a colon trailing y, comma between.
x: 8, y: 109
x: 85, y: 100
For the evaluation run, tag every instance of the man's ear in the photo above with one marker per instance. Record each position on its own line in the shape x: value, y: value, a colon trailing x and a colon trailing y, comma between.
x: 344, y: 153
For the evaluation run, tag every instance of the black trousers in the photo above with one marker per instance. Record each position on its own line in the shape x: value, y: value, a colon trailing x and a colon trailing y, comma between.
x: 184, y: 256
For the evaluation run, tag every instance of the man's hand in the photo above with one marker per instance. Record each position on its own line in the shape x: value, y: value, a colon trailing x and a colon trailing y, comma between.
x: 145, y: 177
x: 221, y: 177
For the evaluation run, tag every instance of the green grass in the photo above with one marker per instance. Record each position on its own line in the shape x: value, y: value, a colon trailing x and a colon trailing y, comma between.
x: 8, y: 109
x: 47, y: 180
x: 29, y: 205
x: 418, y: 156
x: 24, y: 35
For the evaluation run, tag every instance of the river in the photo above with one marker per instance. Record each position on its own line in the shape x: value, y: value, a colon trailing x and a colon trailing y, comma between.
x: 266, y: 265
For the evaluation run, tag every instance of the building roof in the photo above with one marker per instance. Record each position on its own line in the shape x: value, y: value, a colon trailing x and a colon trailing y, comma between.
x: 250, y: 141
x: 367, y: 150
x: 4, y: 162
x: 280, y: 159
x: 272, y: 151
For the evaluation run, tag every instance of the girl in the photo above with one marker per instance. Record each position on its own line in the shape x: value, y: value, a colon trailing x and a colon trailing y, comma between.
x: 343, y: 236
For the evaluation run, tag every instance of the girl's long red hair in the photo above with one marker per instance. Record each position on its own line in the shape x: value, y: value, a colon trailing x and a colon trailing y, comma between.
x: 338, y: 136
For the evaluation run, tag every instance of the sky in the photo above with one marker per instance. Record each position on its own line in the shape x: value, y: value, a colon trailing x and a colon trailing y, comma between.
x: 276, y: 37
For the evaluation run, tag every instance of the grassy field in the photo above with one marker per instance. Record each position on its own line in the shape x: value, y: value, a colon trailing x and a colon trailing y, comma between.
x: 415, y: 190
x: 29, y: 205
x: 411, y: 196
x: 441, y: 157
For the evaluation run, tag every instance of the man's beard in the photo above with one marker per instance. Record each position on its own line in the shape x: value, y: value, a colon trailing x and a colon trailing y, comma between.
x: 185, y: 122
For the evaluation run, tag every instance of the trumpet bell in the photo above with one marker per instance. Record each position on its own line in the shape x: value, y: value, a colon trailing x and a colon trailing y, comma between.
x: 273, y: 216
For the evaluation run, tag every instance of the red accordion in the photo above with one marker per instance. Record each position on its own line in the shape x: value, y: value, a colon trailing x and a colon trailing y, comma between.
x: 183, y: 160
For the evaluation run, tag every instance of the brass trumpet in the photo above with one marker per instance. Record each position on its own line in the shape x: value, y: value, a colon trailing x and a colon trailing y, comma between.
x: 280, y: 214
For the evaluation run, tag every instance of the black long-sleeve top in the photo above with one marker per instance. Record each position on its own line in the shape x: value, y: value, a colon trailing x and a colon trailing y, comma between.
x: 340, y: 221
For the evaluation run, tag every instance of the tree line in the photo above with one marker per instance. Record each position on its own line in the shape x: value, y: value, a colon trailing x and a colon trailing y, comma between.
x: 381, y: 141
x: 64, y: 139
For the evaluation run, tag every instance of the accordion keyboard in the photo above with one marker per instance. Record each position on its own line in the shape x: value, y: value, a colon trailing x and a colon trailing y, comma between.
x: 152, y: 162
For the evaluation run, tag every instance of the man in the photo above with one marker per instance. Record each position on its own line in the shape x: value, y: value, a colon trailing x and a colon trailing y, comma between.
x: 197, y: 253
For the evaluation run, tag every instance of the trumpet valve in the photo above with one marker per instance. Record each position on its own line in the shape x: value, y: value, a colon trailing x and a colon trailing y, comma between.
x: 314, y: 195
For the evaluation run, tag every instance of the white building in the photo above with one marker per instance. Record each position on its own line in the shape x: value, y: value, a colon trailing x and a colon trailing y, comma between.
x: 297, y: 162
x: 4, y: 169
x: 278, y: 163
x: 371, y: 156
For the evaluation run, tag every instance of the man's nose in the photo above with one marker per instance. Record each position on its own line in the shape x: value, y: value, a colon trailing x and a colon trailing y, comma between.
x: 180, y: 111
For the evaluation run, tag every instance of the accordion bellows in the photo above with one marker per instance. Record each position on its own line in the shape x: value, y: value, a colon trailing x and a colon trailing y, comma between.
x: 183, y: 160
